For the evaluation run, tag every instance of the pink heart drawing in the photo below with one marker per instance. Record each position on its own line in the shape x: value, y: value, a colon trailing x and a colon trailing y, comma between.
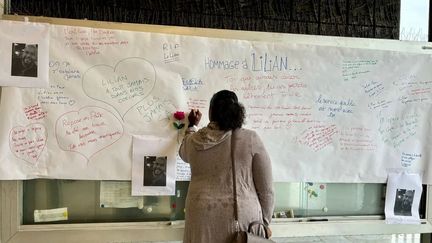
x: 122, y: 86
x: 27, y: 143
x: 88, y: 130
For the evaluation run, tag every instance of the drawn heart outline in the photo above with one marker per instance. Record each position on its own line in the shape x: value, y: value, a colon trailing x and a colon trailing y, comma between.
x: 80, y: 116
x: 94, y: 77
x: 26, y: 131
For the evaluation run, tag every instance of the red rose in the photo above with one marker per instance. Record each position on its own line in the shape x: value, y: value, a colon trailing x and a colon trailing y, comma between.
x: 179, y: 115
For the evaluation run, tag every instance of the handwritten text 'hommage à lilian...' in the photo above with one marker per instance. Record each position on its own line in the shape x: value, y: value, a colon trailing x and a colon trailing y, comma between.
x: 255, y: 62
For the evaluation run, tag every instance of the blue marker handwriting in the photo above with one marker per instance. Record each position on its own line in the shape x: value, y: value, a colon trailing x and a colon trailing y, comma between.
x: 353, y: 69
x: 192, y: 84
x: 407, y: 159
x: 373, y: 88
x: 334, y: 106
x: 65, y: 70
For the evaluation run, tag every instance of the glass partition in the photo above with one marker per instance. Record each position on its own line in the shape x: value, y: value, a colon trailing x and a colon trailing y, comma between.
x: 329, y: 199
x: 83, y: 201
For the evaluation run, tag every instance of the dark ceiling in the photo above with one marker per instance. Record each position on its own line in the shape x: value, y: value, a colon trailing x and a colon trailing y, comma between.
x: 359, y: 18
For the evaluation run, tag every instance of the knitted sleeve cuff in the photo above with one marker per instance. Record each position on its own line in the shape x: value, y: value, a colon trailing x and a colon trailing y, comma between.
x: 191, y: 129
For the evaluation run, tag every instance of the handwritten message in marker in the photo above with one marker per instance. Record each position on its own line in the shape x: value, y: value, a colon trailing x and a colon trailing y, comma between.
x: 54, y: 95
x: 122, y: 86
x: 155, y: 108
x: 27, y: 143
x: 87, y: 131
x: 357, y: 139
x: 317, y: 137
x: 396, y: 130
x: 171, y: 52
x: 333, y: 106
x: 373, y: 88
x: 65, y: 70
x: 407, y: 159
x: 35, y: 112
x: 354, y: 69
x: 90, y: 41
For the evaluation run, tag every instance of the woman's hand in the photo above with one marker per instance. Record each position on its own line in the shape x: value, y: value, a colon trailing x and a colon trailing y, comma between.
x: 194, y: 117
x: 269, y: 232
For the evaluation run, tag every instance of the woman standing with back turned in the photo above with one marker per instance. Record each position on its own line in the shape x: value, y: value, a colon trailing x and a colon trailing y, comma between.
x: 210, y: 202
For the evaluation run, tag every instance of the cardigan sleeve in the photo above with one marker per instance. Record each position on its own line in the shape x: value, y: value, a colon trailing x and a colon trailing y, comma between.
x: 263, y: 178
x: 182, y: 151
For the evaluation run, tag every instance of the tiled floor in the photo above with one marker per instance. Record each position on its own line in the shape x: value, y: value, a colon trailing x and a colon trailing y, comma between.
x: 396, y: 238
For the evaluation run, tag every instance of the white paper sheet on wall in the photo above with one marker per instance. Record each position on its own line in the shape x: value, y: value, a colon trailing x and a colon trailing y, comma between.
x: 329, y: 114
x: 183, y: 172
x: 403, y: 195
x: 153, y: 166
x: 24, y: 54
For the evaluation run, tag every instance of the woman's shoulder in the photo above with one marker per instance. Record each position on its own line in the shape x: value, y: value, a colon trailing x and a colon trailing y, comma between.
x: 247, y: 132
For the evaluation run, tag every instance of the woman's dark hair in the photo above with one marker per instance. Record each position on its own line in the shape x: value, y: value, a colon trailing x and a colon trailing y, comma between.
x: 226, y: 111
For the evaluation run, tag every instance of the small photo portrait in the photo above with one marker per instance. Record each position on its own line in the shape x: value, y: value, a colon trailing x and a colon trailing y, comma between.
x: 24, y: 60
x: 155, y: 170
x: 403, y: 202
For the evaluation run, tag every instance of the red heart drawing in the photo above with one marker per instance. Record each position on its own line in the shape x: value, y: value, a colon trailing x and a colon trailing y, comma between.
x: 27, y: 143
x: 88, y: 130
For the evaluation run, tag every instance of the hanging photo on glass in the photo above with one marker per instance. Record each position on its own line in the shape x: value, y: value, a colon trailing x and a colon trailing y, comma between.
x: 403, y: 198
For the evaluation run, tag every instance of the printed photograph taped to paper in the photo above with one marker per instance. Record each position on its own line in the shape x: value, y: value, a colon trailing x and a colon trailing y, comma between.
x: 403, y: 202
x: 155, y: 171
x: 24, y: 60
